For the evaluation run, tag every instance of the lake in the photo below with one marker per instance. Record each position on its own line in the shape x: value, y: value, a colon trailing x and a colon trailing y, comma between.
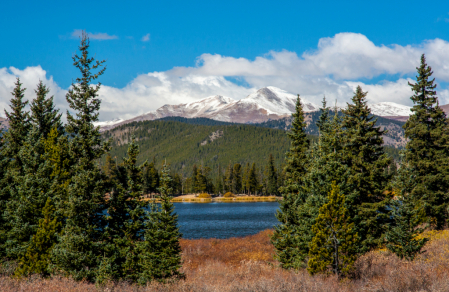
x: 224, y: 220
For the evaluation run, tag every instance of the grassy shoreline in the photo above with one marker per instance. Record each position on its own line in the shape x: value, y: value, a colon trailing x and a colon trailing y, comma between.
x: 240, y: 199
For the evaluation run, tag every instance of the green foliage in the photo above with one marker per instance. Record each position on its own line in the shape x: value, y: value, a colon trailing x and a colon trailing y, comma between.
x: 402, y: 235
x: 125, y: 224
x: 180, y: 143
x: 160, y: 253
x: 365, y: 157
x: 427, y: 151
x: 79, y: 248
x: 285, y: 237
x: 37, y: 257
x: 334, y: 246
x: 271, y: 177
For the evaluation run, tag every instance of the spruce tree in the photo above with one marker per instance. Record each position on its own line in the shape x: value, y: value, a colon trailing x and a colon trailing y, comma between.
x: 237, y: 181
x: 253, y: 182
x: 325, y: 168
x: 125, y: 218
x: 37, y: 257
x: 272, y: 180
x: 427, y: 151
x: 31, y: 186
x: 402, y: 234
x: 334, y: 246
x: 285, y: 237
x: 79, y: 248
x: 12, y: 141
x: 365, y: 156
x: 160, y: 253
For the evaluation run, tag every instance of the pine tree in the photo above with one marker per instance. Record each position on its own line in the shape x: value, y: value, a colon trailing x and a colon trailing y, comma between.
x: 325, y: 167
x: 253, y: 183
x: 37, y: 257
x: 160, y: 253
x: 334, y: 246
x: 402, y: 235
x: 237, y: 181
x: 44, y: 116
x: 79, y: 248
x: 427, y: 152
x: 29, y: 189
x: 272, y: 180
x: 285, y: 237
x: 365, y: 156
x: 126, y: 213
x: 11, y: 163
x: 229, y: 178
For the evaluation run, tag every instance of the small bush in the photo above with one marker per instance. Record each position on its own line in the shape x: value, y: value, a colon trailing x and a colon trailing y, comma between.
x: 228, y: 195
x: 204, y: 196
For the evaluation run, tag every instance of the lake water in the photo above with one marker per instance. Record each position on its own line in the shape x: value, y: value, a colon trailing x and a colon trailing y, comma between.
x: 224, y: 220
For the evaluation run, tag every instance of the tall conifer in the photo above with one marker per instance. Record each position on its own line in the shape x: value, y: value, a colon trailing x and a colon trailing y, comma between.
x: 160, y: 256
x: 365, y: 156
x: 427, y: 151
x: 285, y: 237
x: 79, y: 249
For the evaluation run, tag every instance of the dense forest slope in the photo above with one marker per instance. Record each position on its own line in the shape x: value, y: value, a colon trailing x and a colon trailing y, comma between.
x: 186, y: 142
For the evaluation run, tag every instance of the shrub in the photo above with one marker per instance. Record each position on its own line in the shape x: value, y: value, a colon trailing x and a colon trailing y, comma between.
x: 204, y: 196
x: 228, y: 195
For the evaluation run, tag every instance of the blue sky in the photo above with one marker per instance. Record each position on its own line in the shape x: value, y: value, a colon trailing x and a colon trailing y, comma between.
x: 183, y: 36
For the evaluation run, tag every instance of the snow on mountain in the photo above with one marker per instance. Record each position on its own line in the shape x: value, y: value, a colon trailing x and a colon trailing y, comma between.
x: 390, y: 109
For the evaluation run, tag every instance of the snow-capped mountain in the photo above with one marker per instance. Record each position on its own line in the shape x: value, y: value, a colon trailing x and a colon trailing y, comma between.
x: 386, y: 109
x: 264, y: 104
x: 268, y: 103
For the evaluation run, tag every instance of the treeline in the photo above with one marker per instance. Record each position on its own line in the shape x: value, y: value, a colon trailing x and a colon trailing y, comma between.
x: 61, y: 214
x: 343, y: 196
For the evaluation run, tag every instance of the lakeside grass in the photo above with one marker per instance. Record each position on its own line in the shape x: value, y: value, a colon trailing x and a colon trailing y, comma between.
x: 247, y: 264
x: 240, y: 199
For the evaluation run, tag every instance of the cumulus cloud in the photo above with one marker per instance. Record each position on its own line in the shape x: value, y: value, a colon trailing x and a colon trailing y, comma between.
x: 94, y: 36
x: 334, y: 69
x: 145, y: 38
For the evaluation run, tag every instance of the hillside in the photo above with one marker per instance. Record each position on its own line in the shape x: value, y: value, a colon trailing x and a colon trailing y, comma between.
x: 184, y: 144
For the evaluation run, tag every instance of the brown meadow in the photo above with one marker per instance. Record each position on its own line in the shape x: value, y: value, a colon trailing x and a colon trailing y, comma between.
x: 247, y: 264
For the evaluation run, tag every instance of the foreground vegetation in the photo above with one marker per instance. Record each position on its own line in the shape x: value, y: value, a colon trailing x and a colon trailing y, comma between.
x: 246, y: 264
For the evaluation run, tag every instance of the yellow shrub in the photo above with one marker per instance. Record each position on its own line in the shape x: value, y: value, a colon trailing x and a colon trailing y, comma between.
x: 204, y: 196
x: 228, y: 195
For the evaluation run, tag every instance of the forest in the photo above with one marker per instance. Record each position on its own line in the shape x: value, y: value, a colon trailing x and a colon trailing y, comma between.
x: 72, y: 213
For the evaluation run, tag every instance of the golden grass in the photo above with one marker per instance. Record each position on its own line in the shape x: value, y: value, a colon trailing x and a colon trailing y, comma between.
x: 247, y: 264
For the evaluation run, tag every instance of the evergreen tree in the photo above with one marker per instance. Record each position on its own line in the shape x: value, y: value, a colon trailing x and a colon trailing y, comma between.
x: 12, y: 141
x: 237, y: 181
x: 151, y: 178
x: 285, y: 237
x: 126, y: 213
x: 79, y: 248
x: 402, y: 235
x: 44, y: 116
x: 272, y: 180
x: 325, y: 168
x: 253, y: 183
x: 229, y: 178
x: 365, y: 156
x: 29, y: 187
x: 37, y: 257
x: 427, y: 152
x: 334, y: 247
x: 160, y: 253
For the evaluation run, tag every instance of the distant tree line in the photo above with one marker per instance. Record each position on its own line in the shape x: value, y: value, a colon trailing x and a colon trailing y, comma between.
x: 61, y: 213
x: 344, y: 196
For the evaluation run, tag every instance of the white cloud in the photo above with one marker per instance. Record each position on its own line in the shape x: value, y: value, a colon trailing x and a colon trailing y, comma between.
x: 146, y: 38
x: 334, y: 69
x: 94, y: 36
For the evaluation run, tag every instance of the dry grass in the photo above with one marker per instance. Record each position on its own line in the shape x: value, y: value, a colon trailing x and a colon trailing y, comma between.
x: 246, y: 264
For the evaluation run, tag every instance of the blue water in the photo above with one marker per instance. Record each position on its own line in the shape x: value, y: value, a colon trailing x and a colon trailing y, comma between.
x: 224, y: 220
